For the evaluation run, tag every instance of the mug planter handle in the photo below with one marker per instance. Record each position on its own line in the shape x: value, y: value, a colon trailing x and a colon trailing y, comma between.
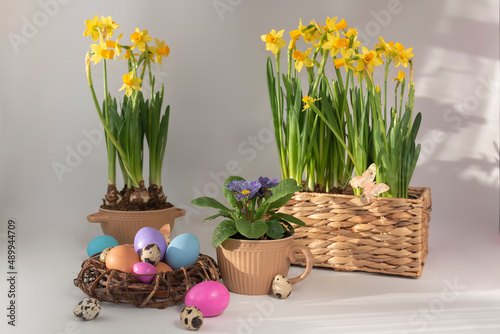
x: 309, y: 262
x: 179, y: 212
x: 98, y: 217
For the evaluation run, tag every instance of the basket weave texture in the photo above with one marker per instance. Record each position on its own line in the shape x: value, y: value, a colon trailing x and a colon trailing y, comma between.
x: 387, y: 235
x: 166, y: 289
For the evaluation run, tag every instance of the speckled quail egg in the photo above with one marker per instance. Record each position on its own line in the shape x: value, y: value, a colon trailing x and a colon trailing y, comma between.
x: 281, y: 287
x: 104, y: 253
x: 192, y: 318
x: 151, y: 254
x: 87, y: 309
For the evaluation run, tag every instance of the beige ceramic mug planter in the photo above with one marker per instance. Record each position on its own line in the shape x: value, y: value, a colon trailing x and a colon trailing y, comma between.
x: 123, y: 225
x: 248, y: 267
x: 254, y: 242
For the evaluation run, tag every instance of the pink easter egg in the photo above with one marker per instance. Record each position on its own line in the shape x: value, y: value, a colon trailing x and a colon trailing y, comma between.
x: 144, y: 268
x: 212, y: 298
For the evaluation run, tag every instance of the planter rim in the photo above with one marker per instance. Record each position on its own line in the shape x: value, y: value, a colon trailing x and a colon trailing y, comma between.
x: 275, y: 241
x: 173, y: 207
x: 423, y: 191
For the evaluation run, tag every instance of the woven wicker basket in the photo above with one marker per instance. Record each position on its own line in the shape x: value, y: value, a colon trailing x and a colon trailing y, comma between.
x: 387, y: 235
x: 166, y: 289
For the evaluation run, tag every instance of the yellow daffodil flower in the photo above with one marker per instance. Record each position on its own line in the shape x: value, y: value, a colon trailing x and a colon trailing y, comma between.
x: 114, y: 45
x: 273, y: 40
x: 339, y: 62
x: 107, y: 22
x: 311, y: 34
x: 117, y: 48
x: 370, y: 59
x: 385, y: 48
x: 353, y: 34
x: 403, y: 55
x: 294, y: 35
x: 101, y: 51
x: 320, y: 29
x: 347, y: 60
x: 94, y: 28
x: 110, y: 44
x: 140, y: 38
x: 130, y: 83
x: 400, y: 77
x: 334, y: 44
x: 334, y: 26
x: 302, y: 59
x: 159, y: 51
x: 308, y: 100
x: 127, y: 55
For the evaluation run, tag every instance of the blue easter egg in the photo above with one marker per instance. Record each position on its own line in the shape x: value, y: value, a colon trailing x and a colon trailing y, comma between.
x: 100, y: 243
x: 183, y: 251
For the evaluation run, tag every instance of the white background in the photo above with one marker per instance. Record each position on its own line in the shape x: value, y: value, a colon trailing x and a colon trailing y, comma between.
x: 220, y: 115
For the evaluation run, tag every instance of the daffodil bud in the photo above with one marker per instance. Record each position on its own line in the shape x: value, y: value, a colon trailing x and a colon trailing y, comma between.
x: 87, y: 67
x: 105, y: 33
x: 87, y: 61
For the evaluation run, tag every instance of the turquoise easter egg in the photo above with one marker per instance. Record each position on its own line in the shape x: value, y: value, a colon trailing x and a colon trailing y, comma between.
x: 100, y: 243
x: 183, y: 251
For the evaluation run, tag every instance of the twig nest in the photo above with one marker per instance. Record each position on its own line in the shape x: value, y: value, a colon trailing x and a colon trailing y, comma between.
x: 87, y: 309
x: 192, y: 318
x: 104, y: 253
x: 151, y: 254
x: 281, y: 287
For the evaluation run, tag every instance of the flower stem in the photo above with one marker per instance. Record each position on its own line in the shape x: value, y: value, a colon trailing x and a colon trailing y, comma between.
x: 284, y: 170
x: 324, y: 57
x: 111, y: 150
x: 107, y: 129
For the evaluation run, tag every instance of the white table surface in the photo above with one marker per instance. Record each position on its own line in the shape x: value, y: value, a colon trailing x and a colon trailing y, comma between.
x: 459, y: 292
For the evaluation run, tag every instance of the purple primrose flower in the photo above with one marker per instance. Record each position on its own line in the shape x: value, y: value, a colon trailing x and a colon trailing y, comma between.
x: 244, y: 189
x: 268, y: 183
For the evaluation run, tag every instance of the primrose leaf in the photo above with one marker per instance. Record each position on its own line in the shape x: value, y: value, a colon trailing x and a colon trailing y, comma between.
x: 251, y: 230
x: 207, y: 202
x: 222, y: 232
x: 275, y: 229
x: 289, y: 218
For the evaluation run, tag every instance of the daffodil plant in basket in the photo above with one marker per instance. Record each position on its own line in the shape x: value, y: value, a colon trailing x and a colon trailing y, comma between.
x: 126, y: 124
x: 134, y: 118
x: 337, y: 110
x: 334, y: 119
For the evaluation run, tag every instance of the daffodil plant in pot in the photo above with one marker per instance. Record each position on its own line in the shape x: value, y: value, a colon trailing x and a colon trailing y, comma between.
x: 254, y: 242
x: 127, y: 125
x: 331, y: 121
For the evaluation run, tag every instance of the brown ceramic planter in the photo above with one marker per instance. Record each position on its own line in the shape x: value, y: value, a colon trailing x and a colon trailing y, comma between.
x: 248, y: 267
x: 123, y: 225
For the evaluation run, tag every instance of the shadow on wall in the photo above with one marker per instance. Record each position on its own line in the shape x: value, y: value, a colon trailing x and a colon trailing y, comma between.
x: 457, y: 73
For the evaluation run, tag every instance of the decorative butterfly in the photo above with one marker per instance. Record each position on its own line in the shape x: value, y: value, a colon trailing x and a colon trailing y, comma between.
x: 370, y: 188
